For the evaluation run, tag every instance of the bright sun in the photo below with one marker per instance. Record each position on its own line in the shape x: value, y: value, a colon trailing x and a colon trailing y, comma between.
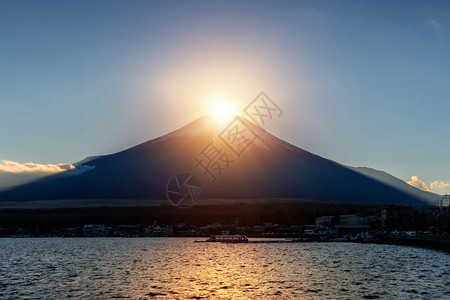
x: 224, y: 108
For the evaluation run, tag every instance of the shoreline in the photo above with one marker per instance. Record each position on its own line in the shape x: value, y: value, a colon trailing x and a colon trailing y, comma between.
x: 437, y: 244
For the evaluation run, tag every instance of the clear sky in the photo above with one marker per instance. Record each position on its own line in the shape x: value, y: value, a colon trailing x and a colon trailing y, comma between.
x: 364, y: 83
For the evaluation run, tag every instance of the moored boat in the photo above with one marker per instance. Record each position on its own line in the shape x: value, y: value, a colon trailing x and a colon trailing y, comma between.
x: 237, y: 238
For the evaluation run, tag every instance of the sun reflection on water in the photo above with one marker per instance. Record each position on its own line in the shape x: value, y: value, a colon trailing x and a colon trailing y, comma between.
x: 178, y: 268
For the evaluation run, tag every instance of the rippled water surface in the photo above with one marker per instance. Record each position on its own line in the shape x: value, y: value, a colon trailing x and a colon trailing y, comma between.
x: 178, y: 268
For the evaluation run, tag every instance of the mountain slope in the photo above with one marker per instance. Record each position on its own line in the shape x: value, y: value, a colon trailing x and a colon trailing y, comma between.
x: 397, y: 183
x: 267, y: 168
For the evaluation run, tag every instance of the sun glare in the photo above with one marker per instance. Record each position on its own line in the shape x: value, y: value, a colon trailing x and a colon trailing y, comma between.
x: 224, y: 108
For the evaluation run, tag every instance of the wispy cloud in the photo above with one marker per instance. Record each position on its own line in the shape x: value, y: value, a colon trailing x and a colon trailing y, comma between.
x: 435, y: 24
x: 435, y: 185
x: 8, y: 166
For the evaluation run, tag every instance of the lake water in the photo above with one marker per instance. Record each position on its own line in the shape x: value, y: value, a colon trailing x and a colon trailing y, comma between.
x: 178, y: 268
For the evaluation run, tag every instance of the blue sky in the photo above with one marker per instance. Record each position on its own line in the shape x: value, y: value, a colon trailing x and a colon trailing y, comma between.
x: 362, y: 83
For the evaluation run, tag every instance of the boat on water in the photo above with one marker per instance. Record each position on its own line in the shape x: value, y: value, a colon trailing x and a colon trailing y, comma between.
x: 227, y: 238
x: 237, y: 238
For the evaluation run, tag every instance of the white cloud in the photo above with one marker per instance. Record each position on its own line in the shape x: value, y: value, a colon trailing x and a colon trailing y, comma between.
x: 439, y: 185
x: 14, y: 173
x: 12, y: 167
x: 78, y: 169
x: 8, y: 166
x: 435, y: 185
x: 417, y: 183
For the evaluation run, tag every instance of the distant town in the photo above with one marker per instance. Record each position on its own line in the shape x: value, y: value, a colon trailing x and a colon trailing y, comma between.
x: 431, y: 221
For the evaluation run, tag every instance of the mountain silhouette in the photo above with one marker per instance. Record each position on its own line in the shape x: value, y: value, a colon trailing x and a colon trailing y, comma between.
x: 232, y: 158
